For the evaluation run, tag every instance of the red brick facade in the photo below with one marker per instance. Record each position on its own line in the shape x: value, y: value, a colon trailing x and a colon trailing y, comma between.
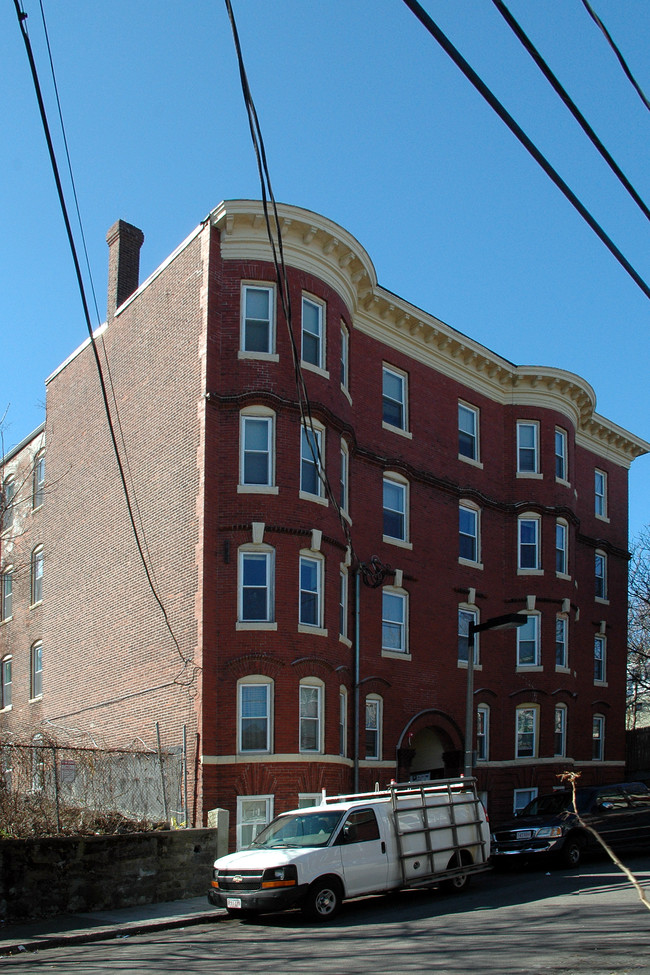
x: 184, y: 384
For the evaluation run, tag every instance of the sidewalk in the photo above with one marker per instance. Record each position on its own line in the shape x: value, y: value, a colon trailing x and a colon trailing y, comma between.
x: 98, y: 925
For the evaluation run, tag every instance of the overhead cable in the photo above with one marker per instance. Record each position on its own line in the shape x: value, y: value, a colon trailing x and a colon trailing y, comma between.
x: 516, y: 129
x: 22, y: 20
x: 594, y: 16
x: 570, y: 104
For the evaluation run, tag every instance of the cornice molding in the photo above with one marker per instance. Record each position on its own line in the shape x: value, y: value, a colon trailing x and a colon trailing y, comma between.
x: 323, y: 248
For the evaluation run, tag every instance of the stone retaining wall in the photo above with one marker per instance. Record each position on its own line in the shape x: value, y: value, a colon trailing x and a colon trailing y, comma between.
x: 60, y: 875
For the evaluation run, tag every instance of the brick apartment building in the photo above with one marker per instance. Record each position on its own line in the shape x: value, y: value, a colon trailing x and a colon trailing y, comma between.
x: 477, y: 487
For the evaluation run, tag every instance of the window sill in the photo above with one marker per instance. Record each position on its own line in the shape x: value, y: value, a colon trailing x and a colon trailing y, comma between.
x: 563, y: 575
x: 36, y: 604
x: 344, y: 640
x: 603, y: 518
x: 470, y: 563
x: 314, y: 630
x: 601, y: 683
x: 561, y: 480
x: 530, y: 572
x: 317, y: 369
x: 7, y: 619
x: 529, y: 669
x: 399, y: 430
x: 397, y: 541
x: 472, y: 461
x: 531, y: 475
x: 257, y: 489
x: 396, y: 654
x: 462, y: 665
x: 306, y: 496
x: 562, y: 670
x: 243, y: 625
x: 601, y: 600
x: 4, y: 710
x: 346, y: 393
x: 32, y: 700
x: 261, y: 356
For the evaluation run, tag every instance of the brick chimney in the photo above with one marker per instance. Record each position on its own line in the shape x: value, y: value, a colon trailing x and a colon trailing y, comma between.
x: 124, y: 243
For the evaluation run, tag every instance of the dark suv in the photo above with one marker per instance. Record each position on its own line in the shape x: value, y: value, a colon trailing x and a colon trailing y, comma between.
x: 548, y: 825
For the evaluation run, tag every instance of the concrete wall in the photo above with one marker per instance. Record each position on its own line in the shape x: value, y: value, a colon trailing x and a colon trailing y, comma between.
x: 58, y: 875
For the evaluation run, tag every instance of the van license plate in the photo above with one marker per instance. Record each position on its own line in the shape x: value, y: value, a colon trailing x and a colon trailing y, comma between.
x: 233, y: 902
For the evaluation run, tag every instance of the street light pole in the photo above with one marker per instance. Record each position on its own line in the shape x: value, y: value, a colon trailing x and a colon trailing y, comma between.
x: 508, y: 622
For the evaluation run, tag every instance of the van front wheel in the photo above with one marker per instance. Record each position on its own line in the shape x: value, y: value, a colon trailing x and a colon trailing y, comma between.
x: 323, y: 900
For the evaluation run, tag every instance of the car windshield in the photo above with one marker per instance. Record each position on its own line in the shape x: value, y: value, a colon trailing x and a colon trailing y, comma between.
x: 299, y: 830
x: 550, y: 805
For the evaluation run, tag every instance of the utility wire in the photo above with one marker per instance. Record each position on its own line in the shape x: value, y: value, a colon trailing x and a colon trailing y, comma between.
x: 22, y: 21
x: 594, y: 16
x: 304, y: 404
x: 570, y: 104
x: 527, y: 143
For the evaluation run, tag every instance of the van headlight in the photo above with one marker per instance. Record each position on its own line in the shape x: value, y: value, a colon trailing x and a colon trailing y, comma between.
x: 286, y: 876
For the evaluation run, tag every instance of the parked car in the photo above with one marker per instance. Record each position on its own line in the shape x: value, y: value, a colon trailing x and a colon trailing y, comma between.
x: 548, y: 825
x: 410, y: 835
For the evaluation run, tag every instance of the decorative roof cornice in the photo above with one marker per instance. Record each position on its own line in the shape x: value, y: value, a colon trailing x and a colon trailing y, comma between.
x: 321, y: 247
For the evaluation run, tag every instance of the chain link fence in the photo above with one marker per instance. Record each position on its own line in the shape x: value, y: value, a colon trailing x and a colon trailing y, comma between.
x: 47, y: 788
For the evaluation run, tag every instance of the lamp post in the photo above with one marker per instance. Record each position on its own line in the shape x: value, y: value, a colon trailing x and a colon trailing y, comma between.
x: 508, y: 622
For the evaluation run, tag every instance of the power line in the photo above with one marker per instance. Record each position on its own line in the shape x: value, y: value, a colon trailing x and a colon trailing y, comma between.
x: 527, y: 143
x: 570, y: 104
x: 22, y: 21
x: 594, y: 16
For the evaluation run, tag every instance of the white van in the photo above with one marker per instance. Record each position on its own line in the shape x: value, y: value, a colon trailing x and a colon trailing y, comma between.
x: 417, y: 834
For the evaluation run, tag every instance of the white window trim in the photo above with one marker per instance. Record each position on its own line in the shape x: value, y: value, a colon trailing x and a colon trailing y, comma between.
x: 403, y: 595
x: 249, y: 680
x: 562, y: 523
x: 485, y: 710
x: 320, y: 366
x: 602, y: 640
x: 563, y: 709
x: 605, y: 598
x: 344, y: 481
x: 604, y: 516
x: 401, y: 481
x: 257, y: 413
x: 560, y: 431
x: 536, y: 666
x: 271, y: 355
x: 344, y: 590
x: 38, y: 483
x: 532, y: 793
x: 527, y: 707
x: 267, y: 799
x: 523, y: 570
x: 472, y: 610
x: 600, y: 718
x: 380, y: 721
x: 318, y: 462
x: 319, y: 686
x: 32, y: 671
x: 345, y: 358
x: 7, y: 658
x: 563, y: 668
x: 474, y: 461
x: 317, y: 628
x: 537, y: 472
x: 269, y: 552
x: 37, y: 558
x: 7, y: 573
x: 474, y: 508
x: 404, y: 430
x: 343, y: 721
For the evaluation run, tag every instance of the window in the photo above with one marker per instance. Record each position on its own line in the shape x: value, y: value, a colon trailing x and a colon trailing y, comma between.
x: 394, y: 398
x: 312, y: 332
x: 6, y: 595
x: 468, y: 431
x: 468, y: 533
x: 343, y: 605
x: 311, y: 702
x: 311, y: 591
x: 529, y: 555
x: 36, y: 670
x: 600, y: 502
x: 38, y: 764
x: 561, y: 455
x: 527, y: 450
x: 528, y: 642
x: 465, y: 617
x: 601, y: 575
x: 255, y: 717
x: 256, y: 588
x: 37, y: 575
x: 561, y: 552
x: 482, y: 733
x: 526, y: 746
x: 598, y: 738
x: 599, y: 659
x: 344, y: 481
x: 256, y: 454
x: 345, y: 357
x: 308, y: 799
x: 360, y: 827
x: 395, y: 493
x: 38, y: 481
x: 258, y: 330
x: 5, y: 683
x: 343, y: 722
x: 394, y: 621
x: 561, y: 642
x: 253, y: 814
x: 7, y: 503
x: 560, y: 731
x: 521, y: 798
x: 311, y: 460
x: 373, y: 727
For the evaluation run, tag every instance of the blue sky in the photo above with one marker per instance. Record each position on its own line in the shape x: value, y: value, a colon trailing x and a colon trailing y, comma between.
x: 365, y: 120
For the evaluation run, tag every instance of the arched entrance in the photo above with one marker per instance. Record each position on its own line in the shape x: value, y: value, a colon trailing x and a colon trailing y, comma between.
x: 430, y: 748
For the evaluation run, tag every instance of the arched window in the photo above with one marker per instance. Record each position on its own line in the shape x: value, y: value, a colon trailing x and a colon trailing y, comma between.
x: 312, y: 695
x: 36, y: 670
x: 256, y: 449
x: 6, y: 593
x: 374, y: 707
x: 255, y: 710
x: 312, y: 588
x: 38, y: 480
x: 396, y: 508
x: 37, y: 575
x: 529, y: 543
x: 394, y: 620
x: 256, y: 589
x: 5, y: 683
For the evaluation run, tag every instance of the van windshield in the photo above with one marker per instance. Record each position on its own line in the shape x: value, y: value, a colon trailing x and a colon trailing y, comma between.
x: 299, y: 830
